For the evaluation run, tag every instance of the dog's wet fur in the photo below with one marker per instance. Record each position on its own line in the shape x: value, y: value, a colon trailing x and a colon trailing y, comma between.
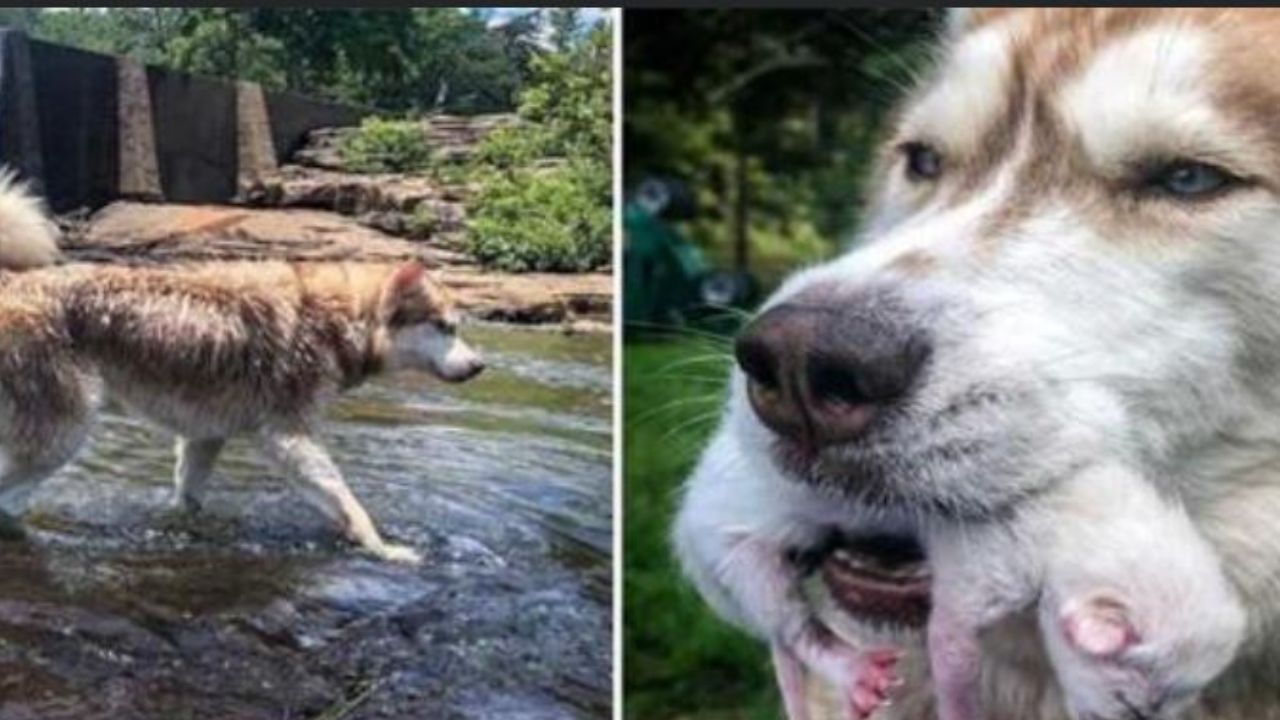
x: 1096, y: 268
x: 205, y: 351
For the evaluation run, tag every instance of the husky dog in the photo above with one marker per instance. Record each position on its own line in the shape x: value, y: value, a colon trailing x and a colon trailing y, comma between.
x: 206, y: 351
x: 1072, y: 257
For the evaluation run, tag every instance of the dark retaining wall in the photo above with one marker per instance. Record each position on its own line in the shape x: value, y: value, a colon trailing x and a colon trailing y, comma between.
x: 75, y: 94
x: 293, y: 115
x: 195, y: 127
x: 19, y: 126
x: 60, y: 126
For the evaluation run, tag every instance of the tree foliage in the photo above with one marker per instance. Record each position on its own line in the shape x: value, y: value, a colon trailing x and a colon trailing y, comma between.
x: 546, y: 202
x: 398, y: 59
x: 381, y: 145
x: 223, y: 42
x: 549, y: 222
x: 778, y: 111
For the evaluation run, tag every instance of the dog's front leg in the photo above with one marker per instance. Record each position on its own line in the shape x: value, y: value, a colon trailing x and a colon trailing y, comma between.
x: 195, y: 458
x: 321, y: 481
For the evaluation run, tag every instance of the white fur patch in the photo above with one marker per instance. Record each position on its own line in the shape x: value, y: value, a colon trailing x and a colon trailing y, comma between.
x: 968, y: 94
x: 1148, y: 94
x: 425, y: 348
x: 27, y: 237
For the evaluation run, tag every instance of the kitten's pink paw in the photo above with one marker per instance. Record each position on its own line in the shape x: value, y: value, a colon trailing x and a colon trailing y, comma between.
x: 1099, y: 626
x: 861, y: 678
x: 872, y: 682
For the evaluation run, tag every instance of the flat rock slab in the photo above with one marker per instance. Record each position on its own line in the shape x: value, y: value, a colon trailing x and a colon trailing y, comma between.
x: 384, y: 201
x: 451, y: 138
x: 142, y: 232
x: 534, y: 298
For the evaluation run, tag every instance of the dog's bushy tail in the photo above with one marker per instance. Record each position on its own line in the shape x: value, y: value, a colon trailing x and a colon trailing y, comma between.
x: 28, y: 238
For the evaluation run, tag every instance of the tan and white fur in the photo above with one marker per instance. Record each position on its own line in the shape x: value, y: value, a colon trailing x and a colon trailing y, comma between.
x: 1086, y: 297
x: 206, y: 352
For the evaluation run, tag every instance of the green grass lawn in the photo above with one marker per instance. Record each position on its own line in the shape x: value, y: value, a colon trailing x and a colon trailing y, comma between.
x: 680, y: 661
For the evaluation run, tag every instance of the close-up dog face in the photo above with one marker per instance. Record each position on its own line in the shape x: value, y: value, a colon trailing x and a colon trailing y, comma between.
x: 1071, y: 252
x: 423, y: 327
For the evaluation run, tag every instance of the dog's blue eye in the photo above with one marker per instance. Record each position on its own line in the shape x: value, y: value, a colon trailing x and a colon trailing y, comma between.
x: 923, y: 161
x: 1192, y: 180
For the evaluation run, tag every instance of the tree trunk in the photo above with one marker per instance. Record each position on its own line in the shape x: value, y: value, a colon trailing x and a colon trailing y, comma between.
x: 741, y: 255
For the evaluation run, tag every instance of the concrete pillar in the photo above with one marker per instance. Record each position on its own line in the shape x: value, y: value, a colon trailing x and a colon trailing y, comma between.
x: 256, y: 153
x: 19, y: 122
x: 139, y: 175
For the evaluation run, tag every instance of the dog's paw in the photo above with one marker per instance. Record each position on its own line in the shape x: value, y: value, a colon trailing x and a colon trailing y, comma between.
x: 185, y: 504
x: 402, y: 554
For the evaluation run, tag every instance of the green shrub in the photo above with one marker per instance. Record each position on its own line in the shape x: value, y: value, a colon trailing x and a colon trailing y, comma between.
x: 424, y: 221
x: 549, y: 220
x: 509, y: 147
x: 387, y: 146
x: 453, y: 173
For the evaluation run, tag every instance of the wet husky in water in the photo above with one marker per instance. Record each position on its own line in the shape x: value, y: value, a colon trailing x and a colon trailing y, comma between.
x: 205, y: 351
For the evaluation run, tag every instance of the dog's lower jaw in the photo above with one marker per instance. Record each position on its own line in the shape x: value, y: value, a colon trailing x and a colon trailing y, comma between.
x: 749, y: 579
x: 758, y: 574
x: 736, y: 522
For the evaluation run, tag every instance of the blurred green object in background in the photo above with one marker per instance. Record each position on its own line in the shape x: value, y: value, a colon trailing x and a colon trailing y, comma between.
x: 662, y: 269
x: 667, y: 280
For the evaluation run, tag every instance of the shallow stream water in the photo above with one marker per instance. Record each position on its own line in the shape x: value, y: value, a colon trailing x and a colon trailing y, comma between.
x: 117, y: 607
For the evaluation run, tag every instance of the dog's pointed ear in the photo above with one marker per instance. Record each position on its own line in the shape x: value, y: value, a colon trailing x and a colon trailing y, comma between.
x: 403, y: 283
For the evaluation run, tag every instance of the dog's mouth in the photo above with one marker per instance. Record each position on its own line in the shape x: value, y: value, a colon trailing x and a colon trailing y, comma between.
x: 880, y: 577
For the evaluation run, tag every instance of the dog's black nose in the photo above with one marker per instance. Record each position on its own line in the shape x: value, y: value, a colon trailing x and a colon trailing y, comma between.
x: 818, y: 374
x: 475, y: 367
